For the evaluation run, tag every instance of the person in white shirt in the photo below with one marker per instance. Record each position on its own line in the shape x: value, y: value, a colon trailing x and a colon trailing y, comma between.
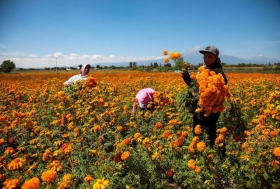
x: 80, y: 77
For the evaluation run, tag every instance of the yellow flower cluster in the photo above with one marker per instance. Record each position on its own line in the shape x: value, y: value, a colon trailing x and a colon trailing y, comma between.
x: 212, y: 91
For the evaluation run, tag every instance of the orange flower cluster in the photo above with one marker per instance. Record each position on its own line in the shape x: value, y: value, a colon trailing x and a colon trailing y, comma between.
x: 212, y: 92
x: 221, y: 136
x: 172, y: 55
x: 11, y: 183
x: 193, y: 166
x: 48, y: 176
x: 192, y: 144
x: 276, y: 152
x: 91, y: 81
x: 16, y: 164
x: 161, y: 99
x: 33, y: 183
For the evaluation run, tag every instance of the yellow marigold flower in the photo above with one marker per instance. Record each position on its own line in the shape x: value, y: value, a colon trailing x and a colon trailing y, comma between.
x: 33, y: 183
x: 276, y: 152
x: 197, y: 130
x: 67, y: 177
x: 245, y: 158
x: 101, y: 184
x: 191, y: 164
x: 165, y: 52
x: 55, y: 165
x: 146, y: 142
x: 92, y: 152
x: 137, y: 135
x: 155, y: 156
x: 201, y: 146
x: 48, y: 176
x: 88, y: 179
x: 125, y: 155
x: 16, y: 163
x: 11, y: 183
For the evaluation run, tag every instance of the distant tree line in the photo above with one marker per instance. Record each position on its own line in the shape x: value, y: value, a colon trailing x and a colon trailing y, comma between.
x: 7, y: 66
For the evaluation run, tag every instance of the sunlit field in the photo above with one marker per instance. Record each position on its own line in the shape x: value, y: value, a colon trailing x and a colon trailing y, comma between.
x: 84, y: 136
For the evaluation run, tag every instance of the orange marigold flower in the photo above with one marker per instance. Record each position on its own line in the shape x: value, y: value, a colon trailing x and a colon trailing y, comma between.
x: 169, y: 173
x: 201, y: 146
x: 166, y: 134
x: 15, y: 164
x: 2, y: 141
x: 172, y: 55
x: 223, y: 130
x: 276, y: 152
x: 125, y: 155
x: 158, y: 125
x: 197, y: 130
x: 173, y: 122
x: 274, y: 133
x: 197, y: 169
x: 137, y: 135
x: 193, y: 76
x: 48, y: 176
x: 47, y: 155
x: 33, y: 183
x: 91, y: 81
x: 9, y: 150
x: 88, y: 178
x: 121, y: 128
x: 11, y: 183
x: 166, y: 60
x: 191, y: 164
x: 2, y: 176
x: 126, y: 141
x: 165, y: 52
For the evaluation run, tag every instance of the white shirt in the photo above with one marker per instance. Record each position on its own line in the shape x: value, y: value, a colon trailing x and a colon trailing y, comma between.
x: 75, y: 78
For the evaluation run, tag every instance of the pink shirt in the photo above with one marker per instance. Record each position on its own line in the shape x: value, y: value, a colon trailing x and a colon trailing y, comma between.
x: 145, y: 95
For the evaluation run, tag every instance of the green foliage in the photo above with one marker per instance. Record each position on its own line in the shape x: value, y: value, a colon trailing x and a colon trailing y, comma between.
x: 179, y: 63
x: 7, y: 66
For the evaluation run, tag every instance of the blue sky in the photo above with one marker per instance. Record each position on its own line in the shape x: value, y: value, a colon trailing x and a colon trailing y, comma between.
x: 34, y: 32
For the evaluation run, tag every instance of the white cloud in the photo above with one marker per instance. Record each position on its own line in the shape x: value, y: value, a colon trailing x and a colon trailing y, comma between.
x: 50, y: 60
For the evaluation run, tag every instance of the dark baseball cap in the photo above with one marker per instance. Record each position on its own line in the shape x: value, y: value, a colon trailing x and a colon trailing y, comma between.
x: 210, y: 49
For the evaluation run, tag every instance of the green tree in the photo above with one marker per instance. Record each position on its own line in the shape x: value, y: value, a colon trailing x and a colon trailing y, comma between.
x: 7, y: 66
x: 179, y: 63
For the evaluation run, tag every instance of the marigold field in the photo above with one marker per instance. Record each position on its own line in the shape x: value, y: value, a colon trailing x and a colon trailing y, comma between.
x: 84, y: 136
